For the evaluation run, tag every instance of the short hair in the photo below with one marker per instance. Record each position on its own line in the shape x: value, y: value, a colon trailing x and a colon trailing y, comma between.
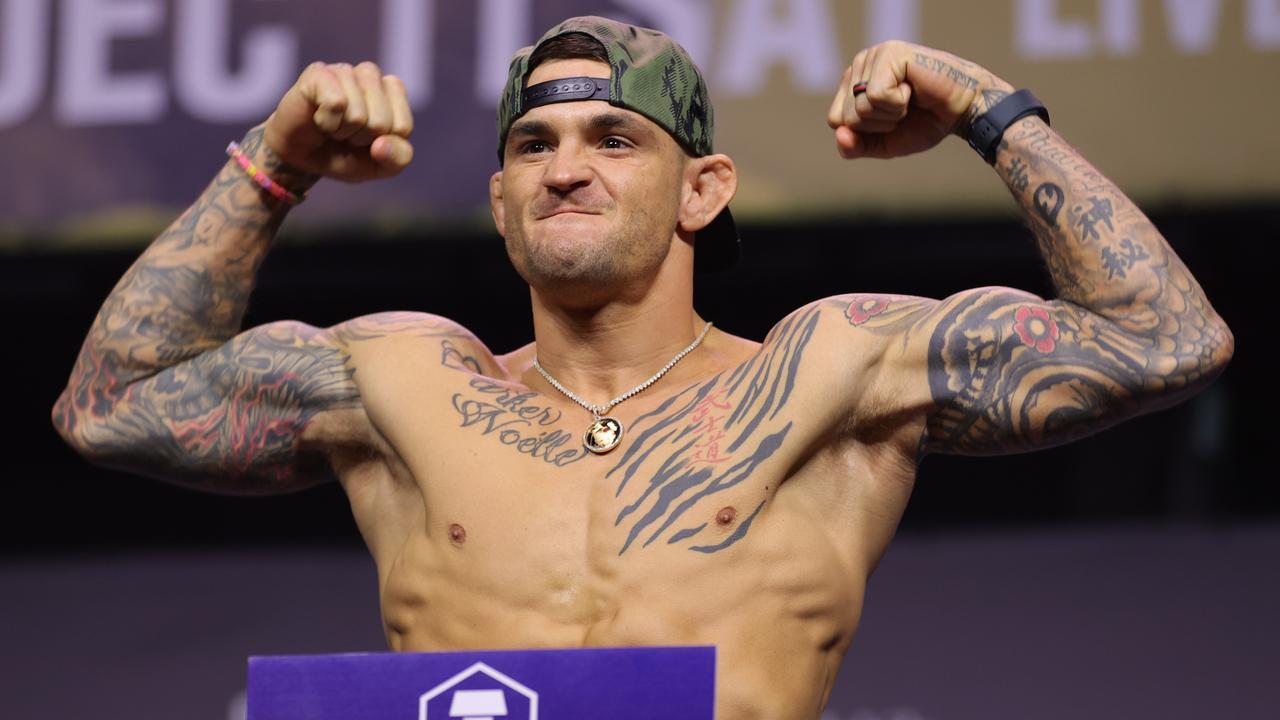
x: 567, y: 47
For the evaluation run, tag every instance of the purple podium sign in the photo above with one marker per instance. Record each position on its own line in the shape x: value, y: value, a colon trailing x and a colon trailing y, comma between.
x: 616, y: 683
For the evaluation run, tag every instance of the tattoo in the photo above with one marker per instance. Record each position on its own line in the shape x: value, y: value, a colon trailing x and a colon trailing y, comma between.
x: 456, y: 359
x: 182, y: 300
x: 1087, y: 221
x: 227, y: 418
x: 995, y: 355
x: 384, y: 324
x: 885, y: 314
x: 708, y: 420
x: 989, y: 99
x: 1009, y: 372
x: 1018, y: 179
x: 741, y: 409
x: 1117, y: 263
x: 947, y: 70
x: 516, y: 421
x: 1048, y: 201
x: 1045, y: 147
x: 737, y: 535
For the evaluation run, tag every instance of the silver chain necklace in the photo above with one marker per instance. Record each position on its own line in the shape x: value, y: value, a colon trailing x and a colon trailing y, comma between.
x: 605, y: 433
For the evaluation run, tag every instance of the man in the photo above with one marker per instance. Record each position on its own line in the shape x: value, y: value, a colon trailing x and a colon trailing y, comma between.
x: 634, y: 477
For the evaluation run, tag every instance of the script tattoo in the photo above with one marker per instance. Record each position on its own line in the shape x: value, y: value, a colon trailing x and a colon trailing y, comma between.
x: 669, y: 451
x: 947, y: 70
x: 516, y: 420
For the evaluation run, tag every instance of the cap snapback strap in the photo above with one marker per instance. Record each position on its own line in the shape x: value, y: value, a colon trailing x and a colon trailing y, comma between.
x: 564, y: 89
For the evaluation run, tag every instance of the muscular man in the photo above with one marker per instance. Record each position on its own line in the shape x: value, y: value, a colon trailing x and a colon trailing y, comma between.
x: 742, y: 498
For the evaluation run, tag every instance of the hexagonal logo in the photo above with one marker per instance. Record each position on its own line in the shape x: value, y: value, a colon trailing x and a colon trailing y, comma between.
x: 479, y: 693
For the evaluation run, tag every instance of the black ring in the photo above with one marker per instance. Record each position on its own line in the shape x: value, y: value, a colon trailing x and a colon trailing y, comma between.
x: 859, y: 88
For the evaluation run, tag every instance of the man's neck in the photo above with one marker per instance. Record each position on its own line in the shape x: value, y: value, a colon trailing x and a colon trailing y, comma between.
x: 601, y: 352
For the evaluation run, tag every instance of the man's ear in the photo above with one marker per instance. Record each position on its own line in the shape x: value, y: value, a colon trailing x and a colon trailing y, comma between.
x: 496, y: 208
x: 710, y: 183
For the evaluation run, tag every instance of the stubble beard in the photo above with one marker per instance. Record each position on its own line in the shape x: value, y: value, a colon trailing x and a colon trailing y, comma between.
x: 630, y: 251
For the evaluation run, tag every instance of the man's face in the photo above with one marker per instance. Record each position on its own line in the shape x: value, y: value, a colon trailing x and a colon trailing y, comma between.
x: 589, y: 193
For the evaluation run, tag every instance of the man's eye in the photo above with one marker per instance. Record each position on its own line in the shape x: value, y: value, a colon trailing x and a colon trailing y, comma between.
x: 537, y: 146
x: 614, y: 143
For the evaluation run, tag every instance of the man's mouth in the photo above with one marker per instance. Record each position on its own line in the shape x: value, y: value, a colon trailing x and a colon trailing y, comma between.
x: 566, y: 211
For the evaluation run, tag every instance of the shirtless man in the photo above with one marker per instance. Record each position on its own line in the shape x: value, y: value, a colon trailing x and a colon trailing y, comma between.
x: 753, y: 486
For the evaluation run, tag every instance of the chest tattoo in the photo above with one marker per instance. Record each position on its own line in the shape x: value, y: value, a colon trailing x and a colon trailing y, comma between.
x: 708, y: 439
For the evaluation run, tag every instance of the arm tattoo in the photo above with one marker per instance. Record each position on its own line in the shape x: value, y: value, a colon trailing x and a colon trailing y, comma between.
x: 1131, y: 331
x: 227, y: 420
x: 183, y: 298
x: 188, y: 292
x: 1010, y: 373
x: 1103, y: 254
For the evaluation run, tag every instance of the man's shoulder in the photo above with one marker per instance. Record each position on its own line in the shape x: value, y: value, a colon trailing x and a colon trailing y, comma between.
x: 389, y: 340
x: 861, y: 322
x: 397, y: 325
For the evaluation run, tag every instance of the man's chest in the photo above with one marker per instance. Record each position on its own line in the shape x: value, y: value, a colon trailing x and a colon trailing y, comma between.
x: 694, y: 468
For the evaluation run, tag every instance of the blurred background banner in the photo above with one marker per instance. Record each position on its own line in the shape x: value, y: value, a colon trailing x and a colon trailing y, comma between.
x: 114, y: 113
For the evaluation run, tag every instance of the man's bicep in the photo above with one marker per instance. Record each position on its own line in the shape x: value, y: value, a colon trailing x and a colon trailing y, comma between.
x: 1004, y: 371
x: 242, y: 418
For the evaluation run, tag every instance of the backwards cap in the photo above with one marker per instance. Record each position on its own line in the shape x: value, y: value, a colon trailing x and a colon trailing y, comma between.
x: 649, y: 74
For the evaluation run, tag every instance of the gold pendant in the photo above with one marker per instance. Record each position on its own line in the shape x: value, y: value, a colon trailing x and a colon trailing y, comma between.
x: 603, y: 435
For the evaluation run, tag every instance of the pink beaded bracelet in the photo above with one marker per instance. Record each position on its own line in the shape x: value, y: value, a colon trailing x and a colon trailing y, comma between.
x: 259, y: 177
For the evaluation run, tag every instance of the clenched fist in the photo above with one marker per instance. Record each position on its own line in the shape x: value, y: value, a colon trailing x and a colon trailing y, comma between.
x: 897, y: 98
x: 344, y: 122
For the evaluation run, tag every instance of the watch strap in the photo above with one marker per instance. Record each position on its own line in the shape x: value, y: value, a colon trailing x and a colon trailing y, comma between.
x: 989, y: 127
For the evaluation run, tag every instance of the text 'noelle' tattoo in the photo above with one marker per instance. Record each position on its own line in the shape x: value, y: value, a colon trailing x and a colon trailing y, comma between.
x: 515, y: 420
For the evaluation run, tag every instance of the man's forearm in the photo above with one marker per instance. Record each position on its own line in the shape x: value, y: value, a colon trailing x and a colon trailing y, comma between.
x: 188, y: 291
x: 1105, y: 255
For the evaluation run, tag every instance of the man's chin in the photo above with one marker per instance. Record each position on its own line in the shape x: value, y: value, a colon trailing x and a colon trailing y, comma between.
x: 570, y: 274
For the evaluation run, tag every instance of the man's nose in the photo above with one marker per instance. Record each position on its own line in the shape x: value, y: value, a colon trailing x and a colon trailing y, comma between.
x: 569, y: 167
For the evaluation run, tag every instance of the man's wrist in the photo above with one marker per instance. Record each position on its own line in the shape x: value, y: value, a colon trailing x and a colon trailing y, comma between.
x: 987, y: 97
x: 294, y: 179
x: 987, y: 129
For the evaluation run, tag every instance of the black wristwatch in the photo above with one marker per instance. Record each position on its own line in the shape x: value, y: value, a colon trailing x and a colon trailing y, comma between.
x: 989, y: 127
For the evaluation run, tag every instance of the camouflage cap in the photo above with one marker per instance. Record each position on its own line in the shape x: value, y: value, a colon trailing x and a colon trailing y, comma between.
x: 649, y: 74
